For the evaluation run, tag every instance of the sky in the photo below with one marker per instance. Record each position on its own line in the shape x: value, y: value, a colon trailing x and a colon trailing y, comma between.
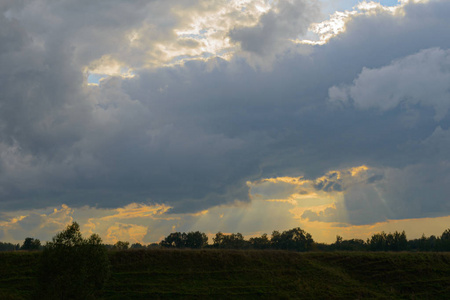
x: 140, y: 118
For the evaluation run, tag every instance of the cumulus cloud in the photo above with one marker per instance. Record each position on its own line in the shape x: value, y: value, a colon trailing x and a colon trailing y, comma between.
x: 37, y: 224
x: 366, y: 204
x: 388, y: 194
x: 418, y: 79
x: 275, y: 28
x: 190, y: 136
x: 146, y: 223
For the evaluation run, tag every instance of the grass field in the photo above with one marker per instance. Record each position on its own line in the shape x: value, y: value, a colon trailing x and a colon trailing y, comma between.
x: 225, y: 274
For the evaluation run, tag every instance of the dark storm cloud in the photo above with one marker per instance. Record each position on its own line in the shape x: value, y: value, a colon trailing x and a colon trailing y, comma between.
x: 192, y: 135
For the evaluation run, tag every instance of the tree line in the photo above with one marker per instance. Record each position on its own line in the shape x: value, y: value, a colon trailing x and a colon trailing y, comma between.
x: 297, y: 239
x: 294, y: 239
x: 396, y: 241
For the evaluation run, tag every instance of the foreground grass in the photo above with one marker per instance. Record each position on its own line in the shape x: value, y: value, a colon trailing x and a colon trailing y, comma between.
x: 225, y: 274
x: 18, y: 274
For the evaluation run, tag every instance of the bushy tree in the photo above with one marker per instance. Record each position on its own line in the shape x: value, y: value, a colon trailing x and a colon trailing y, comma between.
x: 194, y: 240
x: 230, y: 241
x: 31, y: 244
x: 446, y: 235
x: 173, y: 240
x: 73, y: 267
x: 388, y: 242
x: 424, y: 243
x: 218, y: 240
x: 120, y: 245
x: 137, y: 246
x: 348, y: 245
x: 153, y: 246
x: 377, y: 242
x: 293, y: 239
x: 397, y: 241
x: 275, y: 241
x: 9, y: 246
x: 260, y: 242
x: 444, y: 242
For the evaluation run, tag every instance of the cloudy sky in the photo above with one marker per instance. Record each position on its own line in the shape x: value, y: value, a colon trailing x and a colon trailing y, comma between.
x: 138, y: 118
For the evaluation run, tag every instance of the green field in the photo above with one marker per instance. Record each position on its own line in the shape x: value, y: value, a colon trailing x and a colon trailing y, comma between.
x: 225, y: 274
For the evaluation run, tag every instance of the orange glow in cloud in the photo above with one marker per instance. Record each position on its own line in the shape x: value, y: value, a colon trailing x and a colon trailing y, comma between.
x: 135, y: 210
x: 276, y: 204
x: 125, y: 232
x: 414, y: 228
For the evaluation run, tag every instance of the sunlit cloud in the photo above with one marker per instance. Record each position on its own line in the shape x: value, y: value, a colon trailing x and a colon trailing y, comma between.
x: 253, y: 220
x: 107, y: 66
x: 125, y: 232
x: 277, y: 204
x: 316, y: 205
x: 16, y: 226
x: 337, y: 22
x: 201, y: 31
x: 319, y: 205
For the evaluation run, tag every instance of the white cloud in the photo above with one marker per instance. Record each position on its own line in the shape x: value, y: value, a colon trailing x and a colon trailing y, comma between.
x: 337, y: 22
x: 421, y: 78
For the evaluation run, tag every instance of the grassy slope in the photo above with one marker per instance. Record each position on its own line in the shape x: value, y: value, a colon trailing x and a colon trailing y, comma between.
x: 18, y: 274
x: 255, y: 274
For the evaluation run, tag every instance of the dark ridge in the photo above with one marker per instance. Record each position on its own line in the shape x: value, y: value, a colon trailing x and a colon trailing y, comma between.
x: 252, y: 274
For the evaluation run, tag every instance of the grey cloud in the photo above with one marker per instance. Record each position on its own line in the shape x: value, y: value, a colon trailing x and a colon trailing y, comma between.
x: 421, y: 78
x: 192, y: 135
x: 412, y: 192
x: 328, y: 215
x: 328, y: 183
x: 288, y: 20
x: 189, y: 43
x: 362, y: 205
x: 375, y: 178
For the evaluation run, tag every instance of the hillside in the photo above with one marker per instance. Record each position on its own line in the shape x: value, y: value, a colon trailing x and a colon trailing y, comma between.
x: 224, y: 274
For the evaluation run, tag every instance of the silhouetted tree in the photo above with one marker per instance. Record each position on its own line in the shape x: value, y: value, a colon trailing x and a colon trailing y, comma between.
x: 424, y: 244
x: 377, y: 242
x: 120, y: 245
x: 195, y: 240
x: 237, y: 241
x: 173, y: 240
x: 388, y: 242
x: 275, y: 239
x: 397, y: 241
x: 137, y: 246
x: 9, y: 246
x: 348, y: 245
x: 230, y: 241
x: 432, y: 241
x: 293, y: 239
x: 72, y: 267
x: 153, y: 246
x: 260, y: 242
x: 444, y: 243
x: 31, y: 244
x: 446, y: 235
x: 218, y: 240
